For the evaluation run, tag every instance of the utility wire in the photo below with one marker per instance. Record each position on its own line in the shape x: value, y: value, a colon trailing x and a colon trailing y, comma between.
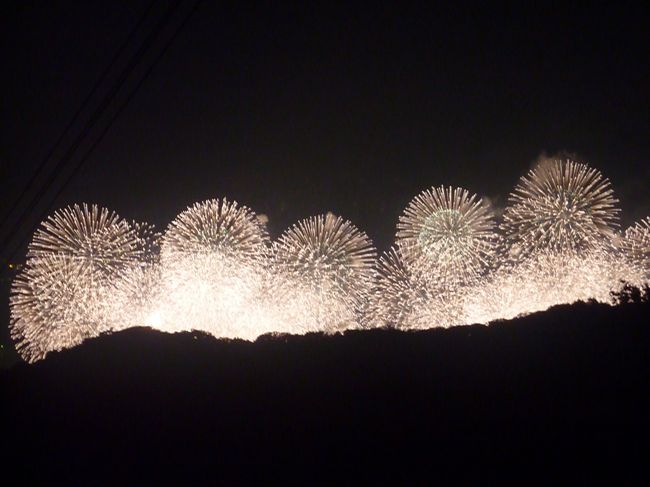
x: 135, y: 60
x: 75, y: 117
x: 90, y: 151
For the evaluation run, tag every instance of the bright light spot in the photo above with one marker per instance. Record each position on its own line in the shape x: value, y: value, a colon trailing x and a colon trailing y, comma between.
x: 154, y: 320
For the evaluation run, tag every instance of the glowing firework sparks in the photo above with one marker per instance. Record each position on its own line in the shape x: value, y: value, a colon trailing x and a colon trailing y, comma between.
x: 448, y: 235
x: 92, y: 236
x: 73, y: 260
x: 89, y: 271
x: 333, y: 260
x: 212, y: 268
x: 399, y: 296
x: 53, y: 307
x: 561, y: 205
x: 216, y: 226
x: 546, y: 278
x: 636, y: 244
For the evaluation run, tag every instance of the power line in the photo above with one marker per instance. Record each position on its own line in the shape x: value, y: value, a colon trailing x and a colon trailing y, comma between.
x: 117, y: 86
x: 75, y: 117
x: 116, y: 115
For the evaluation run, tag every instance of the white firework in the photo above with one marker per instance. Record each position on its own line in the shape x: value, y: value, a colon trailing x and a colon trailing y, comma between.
x: 559, y: 206
x: 94, y: 237
x: 88, y: 271
x: 400, y: 298
x: 74, y: 262
x: 54, y: 306
x: 213, y: 270
x: 547, y: 278
x: 216, y: 227
x: 448, y: 235
x: 330, y: 264
x: 636, y: 245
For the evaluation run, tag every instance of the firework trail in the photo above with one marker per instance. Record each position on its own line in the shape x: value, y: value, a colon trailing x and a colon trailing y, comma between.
x: 561, y: 206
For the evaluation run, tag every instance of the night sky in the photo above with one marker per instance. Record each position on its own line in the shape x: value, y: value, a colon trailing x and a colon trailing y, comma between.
x: 296, y: 110
x: 299, y: 110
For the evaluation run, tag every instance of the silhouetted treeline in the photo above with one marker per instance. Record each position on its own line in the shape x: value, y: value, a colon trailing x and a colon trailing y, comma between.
x: 568, y: 387
x: 632, y: 294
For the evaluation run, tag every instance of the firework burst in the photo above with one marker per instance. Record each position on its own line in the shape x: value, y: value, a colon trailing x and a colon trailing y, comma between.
x: 89, y: 271
x: 332, y: 262
x: 212, y: 268
x: 448, y: 235
x: 546, y: 278
x: 95, y: 237
x: 636, y: 244
x: 561, y: 205
x: 74, y: 261
x: 216, y: 226
x: 399, y: 297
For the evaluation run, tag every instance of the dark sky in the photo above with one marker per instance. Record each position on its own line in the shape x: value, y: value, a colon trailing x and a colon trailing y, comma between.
x: 297, y: 110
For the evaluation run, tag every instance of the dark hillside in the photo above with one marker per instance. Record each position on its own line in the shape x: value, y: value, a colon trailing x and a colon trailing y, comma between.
x: 569, y: 385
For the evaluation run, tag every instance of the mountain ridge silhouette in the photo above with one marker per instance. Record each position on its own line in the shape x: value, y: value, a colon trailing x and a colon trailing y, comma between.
x: 553, y: 385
